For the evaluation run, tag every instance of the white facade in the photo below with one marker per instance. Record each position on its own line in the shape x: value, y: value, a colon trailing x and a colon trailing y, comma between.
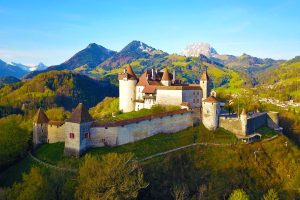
x: 127, y: 95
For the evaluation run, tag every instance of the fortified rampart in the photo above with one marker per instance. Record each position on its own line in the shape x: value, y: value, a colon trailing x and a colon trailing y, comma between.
x: 126, y: 131
x: 254, y: 122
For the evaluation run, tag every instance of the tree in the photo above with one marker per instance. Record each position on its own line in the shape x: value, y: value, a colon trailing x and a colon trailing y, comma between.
x: 271, y: 195
x: 180, y: 192
x: 14, y: 139
x: 238, y: 194
x: 113, y: 176
x: 32, y: 187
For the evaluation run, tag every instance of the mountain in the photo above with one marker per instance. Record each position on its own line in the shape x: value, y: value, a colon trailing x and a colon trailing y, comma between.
x: 134, y: 50
x: 39, y: 67
x: 281, y: 81
x: 246, y: 62
x: 56, y: 88
x: 86, y: 59
x: 195, y: 49
x: 8, y: 80
x: 83, y: 61
x: 11, y: 70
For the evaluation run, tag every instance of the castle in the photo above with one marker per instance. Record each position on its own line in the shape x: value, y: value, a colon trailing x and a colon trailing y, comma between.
x: 159, y: 87
x: 197, y: 102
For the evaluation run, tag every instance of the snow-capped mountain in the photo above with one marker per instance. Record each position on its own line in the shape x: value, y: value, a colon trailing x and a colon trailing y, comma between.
x: 39, y: 67
x: 28, y: 68
x: 195, y: 49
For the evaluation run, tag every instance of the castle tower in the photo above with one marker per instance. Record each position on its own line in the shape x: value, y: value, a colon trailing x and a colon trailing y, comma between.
x: 243, y: 119
x: 210, y: 113
x: 204, y: 84
x: 77, y: 131
x: 127, y: 93
x: 166, y: 79
x: 40, y: 128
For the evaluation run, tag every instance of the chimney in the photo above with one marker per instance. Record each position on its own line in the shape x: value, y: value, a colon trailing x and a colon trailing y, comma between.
x: 153, y: 74
x: 174, y: 76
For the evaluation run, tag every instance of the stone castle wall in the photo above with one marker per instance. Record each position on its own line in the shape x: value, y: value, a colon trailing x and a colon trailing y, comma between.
x: 131, y: 132
x: 233, y: 125
x: 256, y: 122
x: 169, y: 97
x: 56, y: 133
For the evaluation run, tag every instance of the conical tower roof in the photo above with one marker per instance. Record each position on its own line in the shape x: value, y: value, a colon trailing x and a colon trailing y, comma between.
x: 130, y: 72
x: 211, y: 99
x: 204, y: 76
x: 41, y: 117
x: 80, y: 115
x: 166, y: 75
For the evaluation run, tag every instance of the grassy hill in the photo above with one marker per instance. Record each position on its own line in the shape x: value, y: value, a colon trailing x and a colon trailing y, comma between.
x: 56, y: 88
x: 283, y: 81
x: 217, y: 169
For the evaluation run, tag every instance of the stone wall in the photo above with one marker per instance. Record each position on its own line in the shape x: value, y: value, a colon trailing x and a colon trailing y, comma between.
x: 56, y: 133
x: 169, y: 97
x: 231, y: 124
x: 40, y: 134
x: 194, y: 97
x: 256, y: 122
x: 131, y: 132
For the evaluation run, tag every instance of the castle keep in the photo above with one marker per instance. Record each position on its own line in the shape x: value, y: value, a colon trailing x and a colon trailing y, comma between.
x: 159, y: 87
x: 81, y: 131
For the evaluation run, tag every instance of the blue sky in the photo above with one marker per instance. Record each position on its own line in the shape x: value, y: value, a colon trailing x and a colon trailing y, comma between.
x: 52, y: 31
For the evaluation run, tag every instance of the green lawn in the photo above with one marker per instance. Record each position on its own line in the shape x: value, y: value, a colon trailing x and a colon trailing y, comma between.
x: 143, y: 112
x: 266, y: 132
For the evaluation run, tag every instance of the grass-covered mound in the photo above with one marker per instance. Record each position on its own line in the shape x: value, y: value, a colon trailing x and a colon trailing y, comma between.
x: 212, y: 171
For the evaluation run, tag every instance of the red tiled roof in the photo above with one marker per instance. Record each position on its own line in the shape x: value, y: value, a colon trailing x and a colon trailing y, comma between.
x: 130, y: 75
x: 41, y: 117
x: 130, y: 72
x: 80, y: 115
x: 143, y: 80
x: 166, y: 75
x: 179, y: 87
x: 139, y: 119
x: 150, y: 89
x: 56, y: 123
x: 211, y: 99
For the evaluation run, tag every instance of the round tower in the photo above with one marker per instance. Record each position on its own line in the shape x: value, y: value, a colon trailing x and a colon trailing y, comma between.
x: 243, y: 119
x: 127, y: 86
x: 210, y: 113
x: 204, y: 84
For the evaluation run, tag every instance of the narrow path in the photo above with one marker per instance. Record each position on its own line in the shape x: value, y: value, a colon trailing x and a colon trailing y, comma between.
x: 183, y: 147
x: 144, y: 159
x: 50, y: 165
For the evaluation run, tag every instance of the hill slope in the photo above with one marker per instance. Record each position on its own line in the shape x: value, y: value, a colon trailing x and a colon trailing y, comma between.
x: 10, y: 70
x: 56, y: 88
x: 85, y: 60
x: 283, y: 81
x: 134, y: 50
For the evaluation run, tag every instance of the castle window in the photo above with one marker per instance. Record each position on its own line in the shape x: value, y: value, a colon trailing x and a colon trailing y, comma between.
x: 87, y: 135
x: 194, y: 101
x: 72, y: 135
x: 197, y: 100
x: 103, y: 140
